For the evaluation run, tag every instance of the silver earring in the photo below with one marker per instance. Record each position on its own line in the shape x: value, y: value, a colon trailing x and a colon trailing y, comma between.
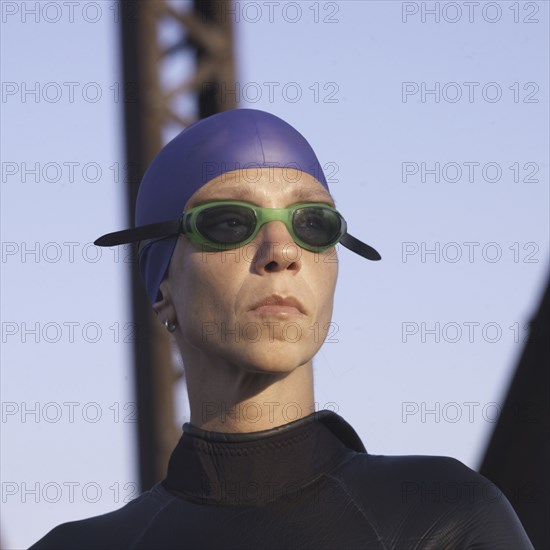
x: 170, y: 327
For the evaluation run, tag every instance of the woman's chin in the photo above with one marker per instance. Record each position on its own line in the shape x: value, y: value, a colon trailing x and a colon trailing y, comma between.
x: 272, y: 358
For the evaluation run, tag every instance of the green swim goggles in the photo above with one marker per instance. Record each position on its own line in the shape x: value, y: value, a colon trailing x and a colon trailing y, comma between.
x: 223, y: 225
x: 313, y: 226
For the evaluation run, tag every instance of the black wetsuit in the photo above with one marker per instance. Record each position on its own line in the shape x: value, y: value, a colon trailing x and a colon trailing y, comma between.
x: 307, y: 484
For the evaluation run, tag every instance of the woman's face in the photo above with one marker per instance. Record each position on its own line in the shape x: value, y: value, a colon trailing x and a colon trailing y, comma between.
x: 212, y: 295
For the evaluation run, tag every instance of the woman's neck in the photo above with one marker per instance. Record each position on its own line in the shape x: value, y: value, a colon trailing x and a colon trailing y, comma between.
x: 227, y: 398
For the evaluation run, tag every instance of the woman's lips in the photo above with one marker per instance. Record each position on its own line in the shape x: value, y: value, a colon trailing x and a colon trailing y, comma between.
x: 278, y: 306
x: 276, y: 311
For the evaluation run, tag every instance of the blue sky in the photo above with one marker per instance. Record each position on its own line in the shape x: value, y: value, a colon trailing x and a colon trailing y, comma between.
x: 433, y: 130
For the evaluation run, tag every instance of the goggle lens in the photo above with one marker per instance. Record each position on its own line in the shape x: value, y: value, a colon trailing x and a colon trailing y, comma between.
x: 231, y: 224
x: 316, y: 226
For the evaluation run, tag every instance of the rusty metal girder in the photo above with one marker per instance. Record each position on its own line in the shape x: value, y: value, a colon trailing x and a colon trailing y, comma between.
x: 200, y: 34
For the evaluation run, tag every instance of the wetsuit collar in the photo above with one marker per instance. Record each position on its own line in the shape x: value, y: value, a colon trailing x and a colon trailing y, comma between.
x: 257, y: 467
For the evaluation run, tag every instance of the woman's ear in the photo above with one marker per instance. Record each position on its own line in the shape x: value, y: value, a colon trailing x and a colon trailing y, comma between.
x: 164, y: 307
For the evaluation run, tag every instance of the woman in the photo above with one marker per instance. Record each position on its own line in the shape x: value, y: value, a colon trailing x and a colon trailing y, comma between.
x: 245, y: 282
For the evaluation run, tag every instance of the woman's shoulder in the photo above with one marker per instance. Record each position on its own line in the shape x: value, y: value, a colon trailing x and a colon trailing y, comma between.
x: 415, y: 467
x: 116, y: 529
x: 437, y: 497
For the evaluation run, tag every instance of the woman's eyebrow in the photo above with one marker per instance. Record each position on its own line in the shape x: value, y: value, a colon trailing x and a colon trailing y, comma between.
x: 247, y: 194
x: 313, y: 195
x: 243, y: 193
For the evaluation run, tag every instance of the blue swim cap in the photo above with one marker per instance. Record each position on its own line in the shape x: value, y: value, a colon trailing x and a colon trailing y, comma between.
x: 228, y: 141
x: 232, y: 140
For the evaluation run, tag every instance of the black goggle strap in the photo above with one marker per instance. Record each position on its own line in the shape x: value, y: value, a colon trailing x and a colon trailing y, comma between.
x: 142, y: 233
x: 359, y: 247
x: 167, y: 229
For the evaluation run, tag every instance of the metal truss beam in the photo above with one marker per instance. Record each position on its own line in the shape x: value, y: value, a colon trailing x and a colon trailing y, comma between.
x: 176, y: 55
